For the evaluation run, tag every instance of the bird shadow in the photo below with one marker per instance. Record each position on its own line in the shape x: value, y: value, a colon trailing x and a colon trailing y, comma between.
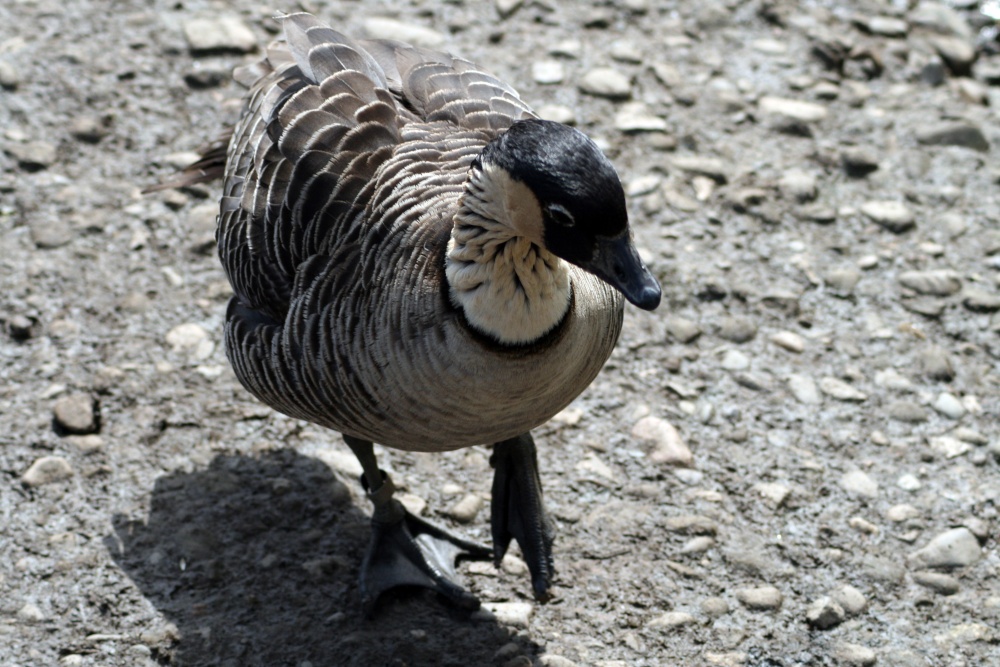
x: 255, y: 560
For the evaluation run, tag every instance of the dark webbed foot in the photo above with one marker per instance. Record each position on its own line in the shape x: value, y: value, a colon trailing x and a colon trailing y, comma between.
x: 519, y: 513
x: 406, y: 550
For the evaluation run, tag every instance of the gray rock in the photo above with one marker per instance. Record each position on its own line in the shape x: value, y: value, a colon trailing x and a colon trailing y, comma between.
x: 957, y: 52
x: 466, y: 509
x: 712, y: 167
x: 954, y: 133
x: 854, y: 655
x: 798, y: 185
x: 33, y: 155
x: 954, y: 548
x: 859, y: 161
x: 548, y: 71
x: 667, y: 74
x: 10, y: 79
x: 714, y: 607
x: 791, y: 116
x: 224, y: 33
x: 558, y: 113
x: 892, y: 215
x: 901, y: 513
x: 947, y: 446
x: 20, y: 327
x: 606, y: 82
x: 842, y: 281
x: 906, y: 411
x: 549, y: 660
x: 682, y: 329
x: 48, y: 470
x: 858, y: 483
x: 948, y: 405
x: 980, y: 301
x: 939, y: 583
x: 626, y: 52
x: 882, y: 570
x: 737, y: 329
x: 840, y: 390
x: 972, y: 436
x: 506, y: 8
x: 936, y: 364
x: 763, y: 598
x: 667, y: 445
x: 851, y: 600
x: 86, y: 444
x: 516, y: 614
x: 697, y: 545
x: 887, y: 26
x: 671, y: 620
x: 825, y: 613
x: 636, y: 117
x: 381, y: 27
x: 691, y: 524
x: 804, y: 389
x: 31, y: 613
x: 89, y: 129
x: 908, y: 482
x: 937, y: 282
x: 76, y: 413
x: 940, y: 18
x: 50, y: 232
x: 734, y: 360
x: 788, y: 340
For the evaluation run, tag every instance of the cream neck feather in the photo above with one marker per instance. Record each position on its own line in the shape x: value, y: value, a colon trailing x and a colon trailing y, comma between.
x: 506, y: 283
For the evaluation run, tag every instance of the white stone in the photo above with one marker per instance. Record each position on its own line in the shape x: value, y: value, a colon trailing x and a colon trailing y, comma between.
x: 671, y: 620
x: 948, y: 446
x: 840, y: 390
x: 516, y: 614
x: 47, y: 470
x: 548, y: 71
x: 668, y: 446
x: 948, y: 405
x: 806, y: 112
x: 381, y: 27
x: 789, y: 340
x: 804, y: 389
x: 957, y: 547
x: 858, y: 483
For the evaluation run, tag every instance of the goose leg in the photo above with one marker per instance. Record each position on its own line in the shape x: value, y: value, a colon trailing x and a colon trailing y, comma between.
x: 406, y: 550
x: 519, y: 513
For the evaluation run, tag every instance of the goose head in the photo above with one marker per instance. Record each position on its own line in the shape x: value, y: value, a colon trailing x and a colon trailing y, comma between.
x: 563, y: 193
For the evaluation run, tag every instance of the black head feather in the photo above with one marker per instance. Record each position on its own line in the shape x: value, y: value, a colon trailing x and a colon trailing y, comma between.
x: 577, y: 187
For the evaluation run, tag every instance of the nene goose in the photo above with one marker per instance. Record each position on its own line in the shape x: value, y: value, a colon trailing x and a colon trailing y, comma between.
x: 419, y: 261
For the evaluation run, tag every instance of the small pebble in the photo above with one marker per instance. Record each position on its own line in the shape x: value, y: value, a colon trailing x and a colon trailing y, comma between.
x: 954, y: 548
x: 47, y: 470
x: 851, y: 600
x: 761, y: 598
x: 840, y: 390
x: 548, y: 71
x: 671, y: 620
x: 466, y: 509
x: 557, y: 113
x: 736, y: 329
x: 549, y: 660
x: 892, y: 215
x: 506, y: 8
x: 86, y: 444
x: 33, y: 155
x: 939, y: 583
x: 10, y: 79
x: 980, y: 301
x: 948, y: 446
x: 627, y: 52
x: 949, y: 406
x: 380, y: 27
x: 31, y: 613
x: 936, y: 364
x: 854, y: 655
x: 824, y: 613
x: 776, y: 494
x: 714, y: 607
x: 49, y: 232
x: 908, y: 482
x: 606, y: 82
x: 634, y: 117
x: 76, y: 413
x: 906, y: 411
x: 224, y: 33
x: 935, y: 282
x: 858, y: 483
x: 711, y: 167
x: 805, y: 112
x: 842, y: 281
x: 516, y: 614
x: 788, y: 340
x: 900, y: 513
x: 691, y: 524
x: 804, y: 389
x: 798, y: 185
x: 697, y: 545
x: 734, y: 360
x: 950, y: 133
x: 887, y: 26
x: 668, y: 446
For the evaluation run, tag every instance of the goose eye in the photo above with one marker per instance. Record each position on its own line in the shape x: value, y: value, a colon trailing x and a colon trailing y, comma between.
x: 559, y: 215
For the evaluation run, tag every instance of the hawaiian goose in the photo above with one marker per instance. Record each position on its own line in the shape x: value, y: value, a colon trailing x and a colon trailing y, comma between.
x: 419, y: 261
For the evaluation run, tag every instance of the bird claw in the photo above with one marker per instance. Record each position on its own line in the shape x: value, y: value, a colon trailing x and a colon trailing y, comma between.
x: 406, y: 550
x: 519, y: 513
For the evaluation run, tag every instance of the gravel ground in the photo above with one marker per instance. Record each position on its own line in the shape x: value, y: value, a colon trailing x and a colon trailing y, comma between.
x: 794, y: 461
